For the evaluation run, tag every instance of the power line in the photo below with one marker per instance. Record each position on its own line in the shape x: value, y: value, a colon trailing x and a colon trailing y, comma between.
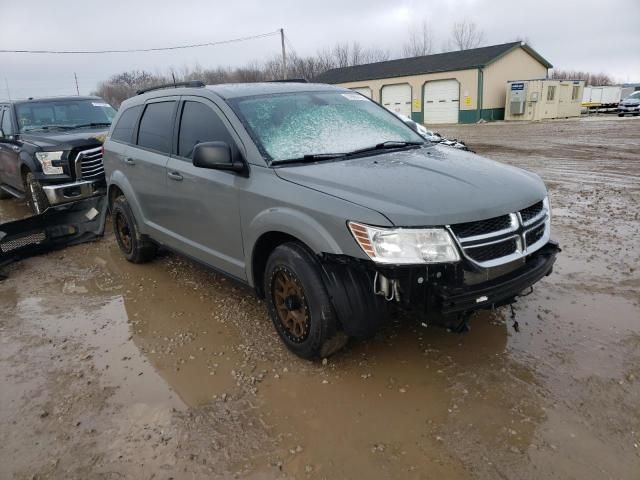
x: 157, y: 49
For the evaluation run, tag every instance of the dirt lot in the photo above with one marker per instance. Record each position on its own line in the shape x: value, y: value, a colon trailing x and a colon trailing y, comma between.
x: 110, y: 370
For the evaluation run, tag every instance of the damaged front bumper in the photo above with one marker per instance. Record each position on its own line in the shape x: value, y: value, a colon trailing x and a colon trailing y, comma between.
x: 462, y: 288
x: 362, y: 292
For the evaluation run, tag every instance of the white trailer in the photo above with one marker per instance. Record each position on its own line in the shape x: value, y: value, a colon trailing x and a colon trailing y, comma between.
x: 601, y: 97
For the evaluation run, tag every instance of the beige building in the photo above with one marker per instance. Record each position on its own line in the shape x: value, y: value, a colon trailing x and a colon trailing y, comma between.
x: 540, y: 99
x: 463, y: 86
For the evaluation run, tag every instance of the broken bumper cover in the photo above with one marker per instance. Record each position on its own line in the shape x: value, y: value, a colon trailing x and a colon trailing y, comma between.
x: 498, y: 291
x: 55, y: 228
x: 72, y: 192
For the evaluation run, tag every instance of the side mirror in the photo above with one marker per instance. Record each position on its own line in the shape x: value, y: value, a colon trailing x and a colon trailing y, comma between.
x: 216, y: 156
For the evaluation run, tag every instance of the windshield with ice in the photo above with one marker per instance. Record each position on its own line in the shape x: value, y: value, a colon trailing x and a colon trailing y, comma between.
x: 63, y: 114
x: 296, y: 125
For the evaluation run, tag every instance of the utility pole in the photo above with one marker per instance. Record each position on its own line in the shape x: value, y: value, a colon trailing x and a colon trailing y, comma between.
x: 284, y: 55
x: 77, y: 89
x: 6, y: 82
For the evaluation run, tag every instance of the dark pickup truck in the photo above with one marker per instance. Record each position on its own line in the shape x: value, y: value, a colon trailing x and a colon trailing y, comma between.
x: 51, y: 149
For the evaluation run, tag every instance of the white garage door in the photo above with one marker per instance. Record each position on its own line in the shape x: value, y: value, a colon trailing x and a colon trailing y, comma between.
x: 441, y: 101
x: 366, y: 91
x: 397, y: 98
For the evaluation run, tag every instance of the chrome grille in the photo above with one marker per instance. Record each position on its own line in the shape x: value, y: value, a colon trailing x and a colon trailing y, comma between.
x: 500, y: 240
x: 89, y: 164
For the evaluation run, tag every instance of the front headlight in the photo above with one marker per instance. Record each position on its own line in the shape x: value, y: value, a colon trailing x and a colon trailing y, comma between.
x: 46, y: 159
x: 405, y: 245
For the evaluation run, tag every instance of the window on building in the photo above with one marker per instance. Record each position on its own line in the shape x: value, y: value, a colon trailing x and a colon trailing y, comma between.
x: 123, y: 131
x: 156, y: 126
x: 551, y: 93
x: 199, y: 124
x: 575, y: 92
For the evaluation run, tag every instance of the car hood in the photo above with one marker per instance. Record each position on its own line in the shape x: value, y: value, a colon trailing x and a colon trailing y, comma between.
x: 65, y: 140
x: 423, y: 187
x: 630, y: 101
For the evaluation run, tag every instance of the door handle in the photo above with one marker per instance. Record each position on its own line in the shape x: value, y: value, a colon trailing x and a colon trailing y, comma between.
x: 129, y: 161
x: 174, y: 176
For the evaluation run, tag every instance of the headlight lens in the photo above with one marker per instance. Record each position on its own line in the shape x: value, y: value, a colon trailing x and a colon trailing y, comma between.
x: 46, y: 159
x: 405, y: 245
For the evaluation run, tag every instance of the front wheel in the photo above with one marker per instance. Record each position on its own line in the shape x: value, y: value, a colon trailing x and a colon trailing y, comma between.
x: 299, y: 305
x: 136, y: 248
x: 36, y: 198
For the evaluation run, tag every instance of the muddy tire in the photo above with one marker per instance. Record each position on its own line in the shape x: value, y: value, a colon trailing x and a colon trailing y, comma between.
x: 136, y: 248
x: 299, y: 305
x: 36, y: 199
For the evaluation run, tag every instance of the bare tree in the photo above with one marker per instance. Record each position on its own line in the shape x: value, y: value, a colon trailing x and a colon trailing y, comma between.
x: 593, y: 79
x: 420, y: 41
x: 466, y: 35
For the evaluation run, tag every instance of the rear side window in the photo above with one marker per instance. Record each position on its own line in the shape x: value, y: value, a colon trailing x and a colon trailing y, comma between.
x: 156, y: 126
x: 123, y: 131
x: 200, y: 124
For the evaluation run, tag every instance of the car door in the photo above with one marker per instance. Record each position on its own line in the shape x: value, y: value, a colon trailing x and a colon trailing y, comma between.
x: 145, y: 162
x: 202, y: 215
x: 9, y: 151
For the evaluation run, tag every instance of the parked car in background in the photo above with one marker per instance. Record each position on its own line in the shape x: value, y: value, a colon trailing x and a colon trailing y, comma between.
x: 51, y: 149
x: 630, y: 105
x: 330, y: 206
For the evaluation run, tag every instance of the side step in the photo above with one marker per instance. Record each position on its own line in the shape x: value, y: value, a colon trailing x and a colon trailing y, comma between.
x: 12, y: 191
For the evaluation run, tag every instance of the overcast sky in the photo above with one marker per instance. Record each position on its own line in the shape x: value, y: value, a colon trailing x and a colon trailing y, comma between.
x: 601, y: 35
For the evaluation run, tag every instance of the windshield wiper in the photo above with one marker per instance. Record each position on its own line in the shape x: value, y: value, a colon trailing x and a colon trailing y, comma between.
x: 312, y: 157
x: 389, y: 144
x: 93, y: 124
x: 48, y: 127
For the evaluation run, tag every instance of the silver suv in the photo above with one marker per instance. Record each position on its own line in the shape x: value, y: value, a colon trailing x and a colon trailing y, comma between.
x: 327, y: 204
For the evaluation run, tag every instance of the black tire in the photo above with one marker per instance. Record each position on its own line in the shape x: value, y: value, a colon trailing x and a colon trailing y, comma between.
x: 36, y: 198
x: 621, y: 114
x: 136, y: 248
x: 299, y: 305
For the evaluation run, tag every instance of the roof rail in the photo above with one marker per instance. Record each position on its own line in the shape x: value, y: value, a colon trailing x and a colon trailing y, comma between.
x: 290, y: 80
x: 192, y: 84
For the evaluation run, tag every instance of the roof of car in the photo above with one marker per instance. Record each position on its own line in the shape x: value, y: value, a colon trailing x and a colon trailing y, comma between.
x: 236, y: 90
x: 56, y: 99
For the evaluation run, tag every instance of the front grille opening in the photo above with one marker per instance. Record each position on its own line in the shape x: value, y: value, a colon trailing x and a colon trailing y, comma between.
x: 90, y: 164
x: 531, y: 212
x: 492, y: 251
x: 532, y: 236
x: 482, y: 227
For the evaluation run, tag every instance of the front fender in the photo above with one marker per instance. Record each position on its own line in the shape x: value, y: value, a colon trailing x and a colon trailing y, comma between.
x: 119, y: 180
x: 291, y: 222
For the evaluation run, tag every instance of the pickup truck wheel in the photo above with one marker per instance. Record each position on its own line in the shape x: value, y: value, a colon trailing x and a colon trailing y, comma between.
x: 136, y: 248
x: 36, y: 198
x: 299, y: 305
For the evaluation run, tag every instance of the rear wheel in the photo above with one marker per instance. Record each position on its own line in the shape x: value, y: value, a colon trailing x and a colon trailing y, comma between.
x: 36, y: 198
x: 299, y: 305
x: 136, y: 248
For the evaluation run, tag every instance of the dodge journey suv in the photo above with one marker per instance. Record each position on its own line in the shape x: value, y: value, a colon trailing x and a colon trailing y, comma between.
x: 327, y: 204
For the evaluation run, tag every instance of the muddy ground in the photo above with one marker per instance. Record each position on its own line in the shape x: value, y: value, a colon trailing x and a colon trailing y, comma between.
x: 110, y: 370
